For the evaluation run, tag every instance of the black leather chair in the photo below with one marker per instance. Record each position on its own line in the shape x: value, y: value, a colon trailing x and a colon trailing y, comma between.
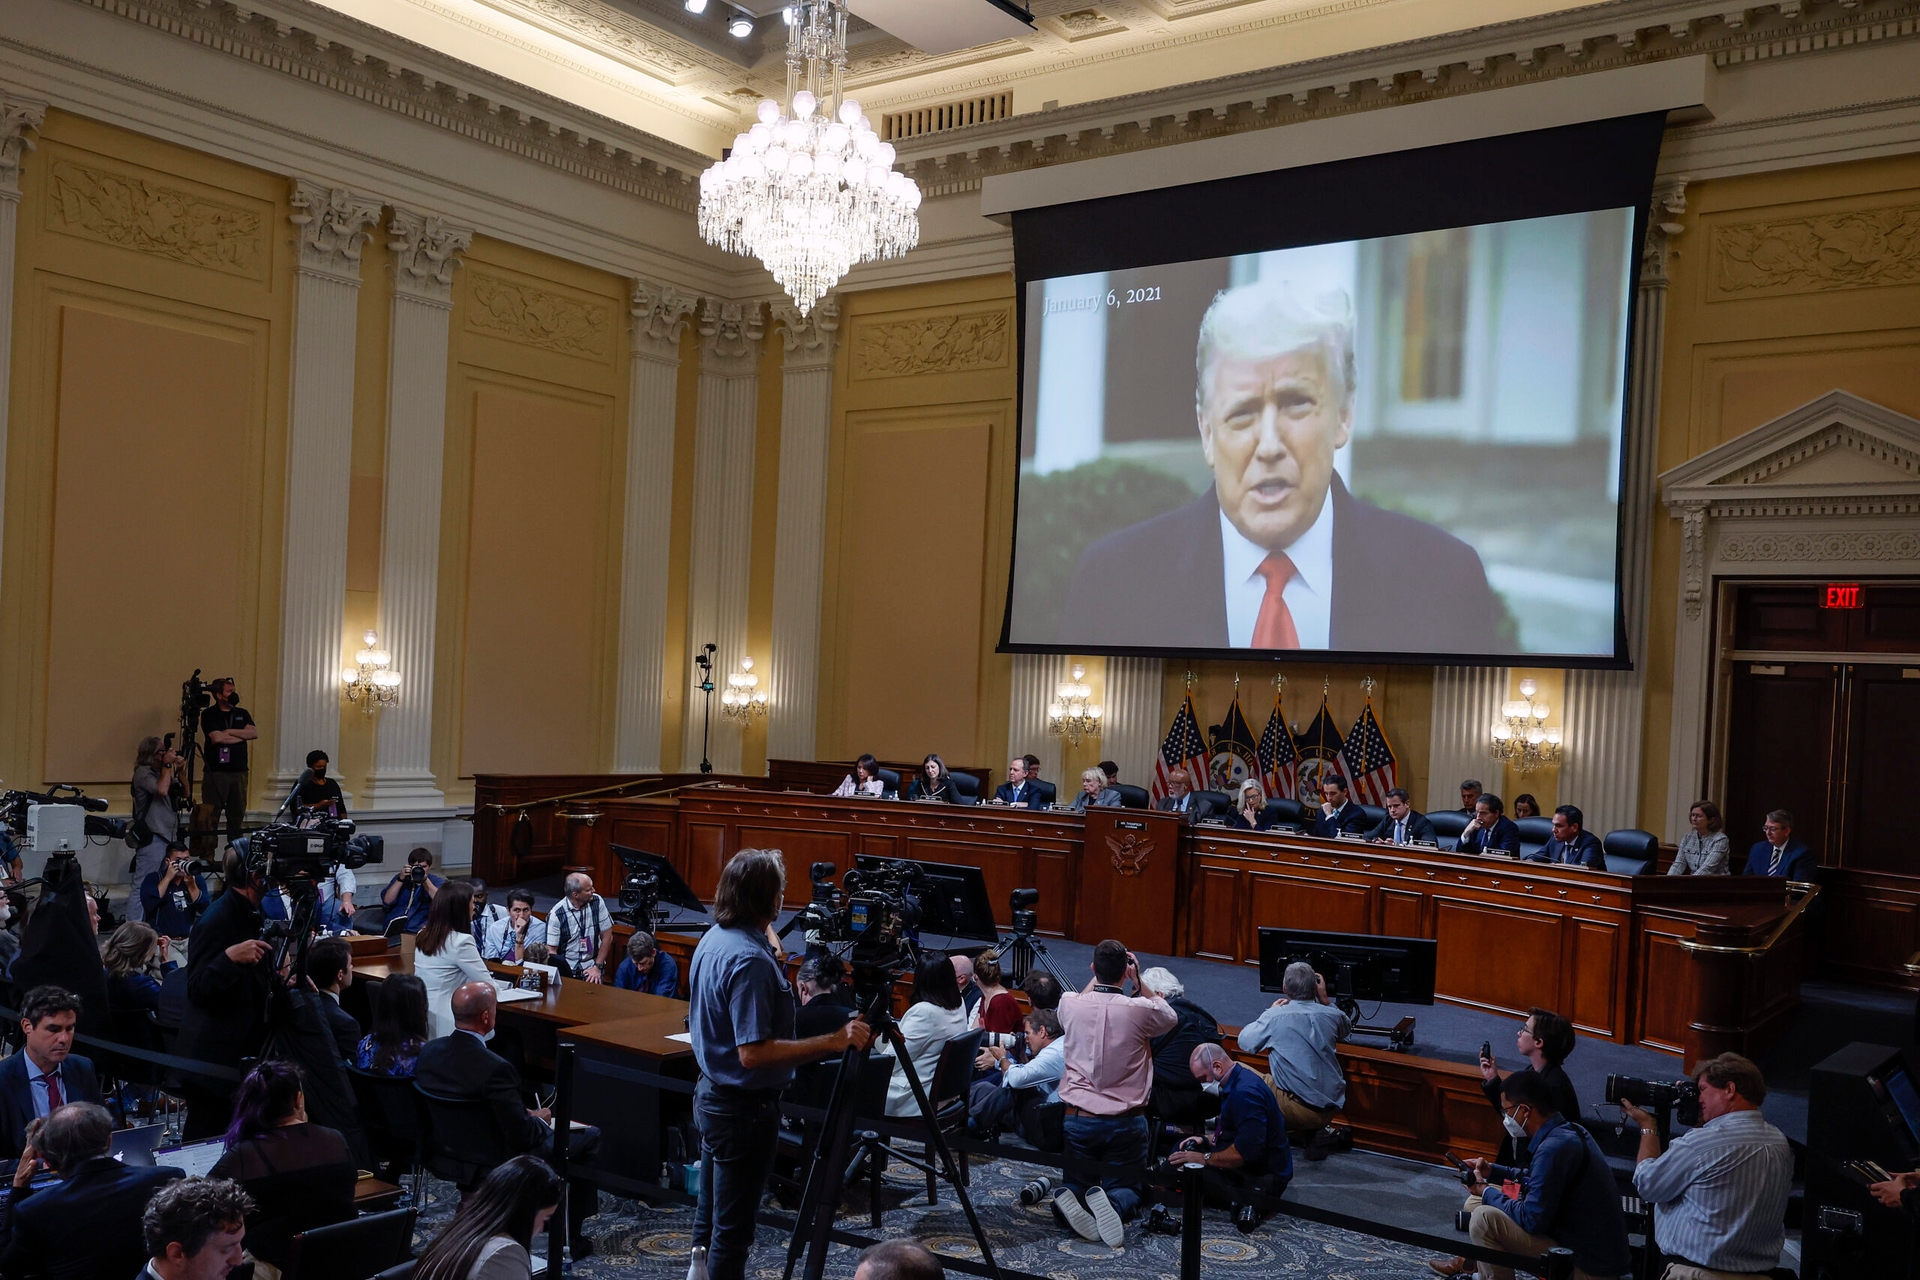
x: 966, y: 788
x: 1534, y: 834
x: 1219, y: 804
x: 869, y: 1102
x: 391, y: 1120
x: 1447, y: 826
x: 1043, y: 793
x: 1375, y: 815
x: 1131, y: 797
x: 948, y: 1092
x: 460, y: 1138
x: 1631, y: 851
x: 1286, y: 812
x: 892, y: 779
x: 352, y: 1250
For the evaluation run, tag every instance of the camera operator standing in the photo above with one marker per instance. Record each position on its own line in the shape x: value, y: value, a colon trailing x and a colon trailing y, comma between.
x: 154, y: 768
x: 1720, y: 1191
x: 228, y: 979
x: 228, y: 729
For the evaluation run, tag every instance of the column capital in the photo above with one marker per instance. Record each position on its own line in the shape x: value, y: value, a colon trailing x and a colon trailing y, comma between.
x: 18, y: 116
x: 809, y: 338
x: 334, y: 224
x: 426, y: 248
x: 730, y: 334
x: 661, y: 314
x: 1663, y: 224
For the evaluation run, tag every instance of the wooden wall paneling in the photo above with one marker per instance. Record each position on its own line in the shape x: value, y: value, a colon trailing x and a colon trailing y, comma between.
x: 1867, y: 925
x: 1598, y: 967
x: 879, y: 844
x: 1215, y: 910
x: 1403, y: 914
x: 1284, y: 900
x: 799, y: 848
x: 1483, y: 950
x: 1664, y: 985
x: 707, y: 853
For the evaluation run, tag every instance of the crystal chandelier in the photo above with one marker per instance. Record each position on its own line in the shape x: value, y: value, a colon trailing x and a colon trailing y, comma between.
x: 371, y: 682
x: 744, y: 699
x: 1074, y: 714
x: 1521, y: 738
x: 811, y: 191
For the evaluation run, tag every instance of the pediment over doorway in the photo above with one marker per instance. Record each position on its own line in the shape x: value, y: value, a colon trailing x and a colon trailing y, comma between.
x: 1838, y: 446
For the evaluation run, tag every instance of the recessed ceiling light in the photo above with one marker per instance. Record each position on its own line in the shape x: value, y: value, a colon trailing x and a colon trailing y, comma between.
x: 696, y: 6
x: 740, y: 26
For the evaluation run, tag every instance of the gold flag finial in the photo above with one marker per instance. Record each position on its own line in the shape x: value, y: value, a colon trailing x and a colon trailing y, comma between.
x: 1326, y: 685
x: 1189, y: 679
x: 1279, y: 684
x: 1366, y: 686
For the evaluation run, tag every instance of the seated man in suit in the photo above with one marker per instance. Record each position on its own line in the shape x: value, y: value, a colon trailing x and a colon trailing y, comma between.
x: 1017, y: 790
x: 46, y: 1073
x: 461, y: 1065
x: 330, y: 967
x: 1094, y: 789
x: 89, y: 1224
x: 1337, y: 812
x: 1402, y: 825
x: 1572, y: 843
x: 1179, y: 798
x: 1491, y: 830
x: 1780, y: 854
x: 1277, y: 553
x: 1470, y: 790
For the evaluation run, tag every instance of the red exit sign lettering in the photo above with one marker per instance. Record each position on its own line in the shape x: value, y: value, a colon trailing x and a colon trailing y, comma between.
x: 1842, y: 595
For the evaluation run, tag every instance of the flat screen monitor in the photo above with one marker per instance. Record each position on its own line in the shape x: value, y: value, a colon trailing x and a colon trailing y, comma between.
x: 1902, y: 1107
x: 955, y: 903
x: 1399, y: 970
x: 671, y: 888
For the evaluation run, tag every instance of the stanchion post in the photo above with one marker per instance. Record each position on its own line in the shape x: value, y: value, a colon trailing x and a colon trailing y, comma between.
x: 1559, y: 1263
x: 562, y: 1126
x: 1194, y: 1203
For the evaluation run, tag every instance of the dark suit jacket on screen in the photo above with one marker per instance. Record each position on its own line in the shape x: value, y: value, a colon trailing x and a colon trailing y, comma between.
x: 1418, y: 828
x: 77, y: 1084
x: 460, y: 1066
x: 86, y: 1226
x: 1400, y: 585
x: 1797, y: 864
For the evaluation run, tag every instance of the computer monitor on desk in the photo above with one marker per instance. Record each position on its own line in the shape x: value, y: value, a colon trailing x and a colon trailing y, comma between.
x: 1356, y: 966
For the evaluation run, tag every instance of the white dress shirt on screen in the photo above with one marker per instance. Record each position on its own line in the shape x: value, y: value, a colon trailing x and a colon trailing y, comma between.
x: 1308, y: 593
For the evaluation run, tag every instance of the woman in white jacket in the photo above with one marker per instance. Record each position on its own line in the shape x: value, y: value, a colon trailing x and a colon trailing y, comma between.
x: 937, y: 1015
x: 444, y: 953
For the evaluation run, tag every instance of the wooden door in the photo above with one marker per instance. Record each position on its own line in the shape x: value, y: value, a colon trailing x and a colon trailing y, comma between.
x: 1882, y: 769
x: 1781, y: 751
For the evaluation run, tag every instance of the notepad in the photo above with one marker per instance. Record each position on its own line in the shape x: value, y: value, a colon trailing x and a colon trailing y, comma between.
x: 509, y: 993
x: 684, y: 1037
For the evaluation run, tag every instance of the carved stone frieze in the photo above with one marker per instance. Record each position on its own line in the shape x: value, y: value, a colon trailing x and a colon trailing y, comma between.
x: 1663, y: 225
x: 952, y: 343
x: 1693, y: 556
x: 604, y: 25
x: 18, y: 118
x: 425, y: 250
x: 334, y: 224
x: 809, y: 338
x: 730, y: 334
x: 1815, y: 548
x: 537, y: 317
x: 130, y: 211
x: 1846, y: 249
x: 661, y: 314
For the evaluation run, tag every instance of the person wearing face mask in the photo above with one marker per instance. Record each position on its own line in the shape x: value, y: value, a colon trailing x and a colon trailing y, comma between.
x: 1568, y: 1198
x: 228, y: 728
x: 1248, y: 1149
x: 318, y: 794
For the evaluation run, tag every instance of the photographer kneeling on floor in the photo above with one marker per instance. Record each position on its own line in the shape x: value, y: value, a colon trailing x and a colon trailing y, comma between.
x: 1720, y: 1192
x: 1248, y: 1151
x: 1567, y: 1193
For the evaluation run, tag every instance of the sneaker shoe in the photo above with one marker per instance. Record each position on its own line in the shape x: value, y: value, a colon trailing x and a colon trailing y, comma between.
x: 1068, y: 1206
x: 1113, y: 1232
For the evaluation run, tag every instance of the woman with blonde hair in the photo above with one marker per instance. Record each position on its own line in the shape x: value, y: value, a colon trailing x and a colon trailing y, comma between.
x: 133, y: 956
x: 1251, y: 813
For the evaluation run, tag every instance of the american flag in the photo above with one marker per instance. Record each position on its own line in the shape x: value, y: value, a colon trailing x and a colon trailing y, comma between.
x: 1183, y: 748
x: 1369, y: 759
x: 1279, y: 759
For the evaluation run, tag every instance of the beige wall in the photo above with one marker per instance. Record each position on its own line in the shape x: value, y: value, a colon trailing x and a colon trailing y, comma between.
x: 145, y: 447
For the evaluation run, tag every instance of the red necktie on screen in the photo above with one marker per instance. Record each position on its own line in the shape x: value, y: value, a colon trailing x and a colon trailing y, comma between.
x: 1273, y: 629
x: 53, y: 1091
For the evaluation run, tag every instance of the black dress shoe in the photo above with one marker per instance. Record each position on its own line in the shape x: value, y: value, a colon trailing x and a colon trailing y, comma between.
x: 580, y: 1247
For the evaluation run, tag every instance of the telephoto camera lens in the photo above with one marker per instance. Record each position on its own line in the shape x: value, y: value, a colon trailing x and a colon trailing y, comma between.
x: 1036, y: 1191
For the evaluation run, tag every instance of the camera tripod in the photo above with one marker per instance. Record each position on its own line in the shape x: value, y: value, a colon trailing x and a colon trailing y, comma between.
x: 826, y: 1170
x: 1024, y: 952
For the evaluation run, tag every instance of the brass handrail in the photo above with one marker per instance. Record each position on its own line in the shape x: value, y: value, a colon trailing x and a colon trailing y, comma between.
x: 525, y: 805
x: 1913, y: 964
x: 1808, y: 894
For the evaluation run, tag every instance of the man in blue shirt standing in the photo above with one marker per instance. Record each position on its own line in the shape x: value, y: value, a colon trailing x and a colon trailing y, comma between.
x: 1572, y: 844
x: 1248, y: 1152
x: 1568, y: 1195
x: 741, y: 1022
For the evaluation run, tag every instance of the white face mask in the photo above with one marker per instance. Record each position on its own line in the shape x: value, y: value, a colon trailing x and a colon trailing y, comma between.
x: 1212, y: 1087
x: 1514, y: 1127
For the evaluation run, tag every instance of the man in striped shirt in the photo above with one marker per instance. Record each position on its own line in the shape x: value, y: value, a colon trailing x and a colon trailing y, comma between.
x: 1720, y: 1191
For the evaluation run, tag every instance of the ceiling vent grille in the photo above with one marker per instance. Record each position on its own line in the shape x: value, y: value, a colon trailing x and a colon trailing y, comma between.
x: 897, y: 125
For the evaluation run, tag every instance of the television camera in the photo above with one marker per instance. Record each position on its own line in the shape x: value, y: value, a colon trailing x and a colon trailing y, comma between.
x: 16, y: 805
x: 650, y: 882
x: 297, y: 858
x: 876, y: 913
x: 1667, y: 1099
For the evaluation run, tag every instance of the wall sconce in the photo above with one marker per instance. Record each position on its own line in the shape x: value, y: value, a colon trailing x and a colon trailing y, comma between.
x: 1074, y: 715
x: 371, y: 682
x: 743, y: 698
x: 1521, y: 739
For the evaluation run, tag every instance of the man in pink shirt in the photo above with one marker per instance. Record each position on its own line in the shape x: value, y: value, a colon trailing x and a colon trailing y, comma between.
x: 1107, y: 1076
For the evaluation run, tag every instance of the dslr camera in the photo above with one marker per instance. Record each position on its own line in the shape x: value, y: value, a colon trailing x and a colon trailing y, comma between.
x: 1680, y: 1097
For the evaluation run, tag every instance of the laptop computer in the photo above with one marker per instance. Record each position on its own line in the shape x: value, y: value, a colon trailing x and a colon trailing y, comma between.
x: 136, y: 1146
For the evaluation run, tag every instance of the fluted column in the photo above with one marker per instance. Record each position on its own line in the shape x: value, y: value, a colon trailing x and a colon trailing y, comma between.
x: 1130, y: 732
x: 806, y: 403
x: 425, y: 252
x: 1035, y: 678
x: 17, y: 118
x: 1605, y: 711
x: 333, y: 224
x: 660, y: 316
x: 1466, y: 702
x: 730, y: 334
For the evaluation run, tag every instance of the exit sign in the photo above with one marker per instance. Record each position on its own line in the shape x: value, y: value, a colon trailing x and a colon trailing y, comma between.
x: 1842, y: 595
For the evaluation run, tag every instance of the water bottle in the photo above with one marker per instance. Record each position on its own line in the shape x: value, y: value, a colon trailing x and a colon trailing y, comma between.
x: 697, y: 1267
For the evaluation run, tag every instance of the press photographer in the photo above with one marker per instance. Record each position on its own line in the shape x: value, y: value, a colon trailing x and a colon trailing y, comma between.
x: 156, y: 826
x: 1720, y: 1190
x: 228, y: 728
x: 1248, y: 1150
x: 410, y: 893
x: 172, y: 900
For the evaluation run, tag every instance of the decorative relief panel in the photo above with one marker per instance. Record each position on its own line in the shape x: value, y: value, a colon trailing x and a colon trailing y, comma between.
x: 1853, y: 249
x: 131, y: 212
x: 949, y: 343
x: 1813, y: 548
x: 538, y: 317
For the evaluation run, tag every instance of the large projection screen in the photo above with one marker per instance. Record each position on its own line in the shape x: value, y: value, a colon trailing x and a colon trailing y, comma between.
x: 1255, y: 434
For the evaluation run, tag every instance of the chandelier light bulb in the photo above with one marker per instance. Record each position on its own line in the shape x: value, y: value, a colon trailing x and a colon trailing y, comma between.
x: 696, y: 6
x: 1501, y: 732
x: 1540, y: 711
x: 803, y: 104
x: 1096, y: 711
x: 1529, y: 687
x: 740, y: 26
x: 850, y: 112
x: 348, y: 675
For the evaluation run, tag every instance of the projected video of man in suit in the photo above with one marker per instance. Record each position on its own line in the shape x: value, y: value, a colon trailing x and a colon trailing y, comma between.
x: 1406, y: 446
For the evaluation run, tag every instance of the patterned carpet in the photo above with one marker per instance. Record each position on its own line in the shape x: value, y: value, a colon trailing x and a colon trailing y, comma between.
x: 635, y: 1240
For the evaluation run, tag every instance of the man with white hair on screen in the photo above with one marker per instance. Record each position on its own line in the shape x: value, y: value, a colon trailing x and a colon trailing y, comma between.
x: 1278, y: 554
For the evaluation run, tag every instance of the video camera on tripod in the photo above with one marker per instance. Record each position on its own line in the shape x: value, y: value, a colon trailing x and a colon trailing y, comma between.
x: 16, y: 813
x: 650, y: 882
x: 877, y: 912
